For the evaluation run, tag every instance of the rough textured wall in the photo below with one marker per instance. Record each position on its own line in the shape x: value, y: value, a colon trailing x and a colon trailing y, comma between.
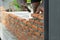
x: 23, y: 29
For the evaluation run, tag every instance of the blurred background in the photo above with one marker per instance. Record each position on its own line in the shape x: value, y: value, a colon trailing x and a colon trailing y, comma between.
x: 13, y: 5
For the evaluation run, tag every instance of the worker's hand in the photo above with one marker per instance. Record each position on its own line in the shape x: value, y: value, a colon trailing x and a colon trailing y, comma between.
x: 40, y: 10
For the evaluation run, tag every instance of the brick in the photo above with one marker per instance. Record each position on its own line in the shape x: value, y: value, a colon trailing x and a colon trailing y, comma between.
x: 35, y: 15
x: 28, y: 23
x: 37, y: 22
x: 33, y: 26
x: 29, y: 34
x: 26, y: 27
x: 37, y: 33
x: 41, y: 17
x: 31, y: 29
x: 34, y: 37
x: 40, y: 23
x: 40, y: 29
x: 42, y: 36
x: 38, y: 16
